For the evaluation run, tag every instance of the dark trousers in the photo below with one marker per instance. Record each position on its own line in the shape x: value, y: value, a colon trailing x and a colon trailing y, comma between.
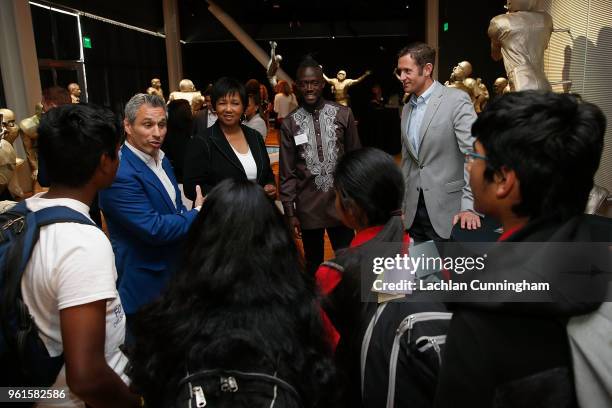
x: 312, y: 239
x: 421, y: 229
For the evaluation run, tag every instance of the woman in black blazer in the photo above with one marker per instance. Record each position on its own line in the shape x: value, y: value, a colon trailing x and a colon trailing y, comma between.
x: 227, y: 149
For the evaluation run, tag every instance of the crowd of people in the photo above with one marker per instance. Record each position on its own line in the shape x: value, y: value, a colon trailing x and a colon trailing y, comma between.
x: 201, y: 293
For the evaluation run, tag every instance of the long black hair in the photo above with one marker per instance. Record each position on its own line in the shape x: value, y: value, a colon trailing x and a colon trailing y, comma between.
x: 369, y: 181
x: 240, y: 301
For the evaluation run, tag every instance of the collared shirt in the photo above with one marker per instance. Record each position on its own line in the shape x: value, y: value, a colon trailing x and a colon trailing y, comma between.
x: 311, y: 143
x: 157, y: 169
x: 419, y: 106
x: 212, y: 118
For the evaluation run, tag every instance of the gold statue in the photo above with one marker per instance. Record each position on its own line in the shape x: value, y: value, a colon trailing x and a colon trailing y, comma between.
x: 186, y: 91
x: 340, y: 85
x: 520, y: 37
x: 29, y: 136
x: 8, y: 158
x: 156, y: 89
x: 457, y: 79
x: 197, y: 104
x: 9, y: 125
x: 273, y: 64
x: 501, y: 86
x: 482, y: 95
x: 75, y: 92
x: 460, y: 79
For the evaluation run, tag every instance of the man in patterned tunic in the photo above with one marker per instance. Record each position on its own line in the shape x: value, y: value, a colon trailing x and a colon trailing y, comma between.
x: 313, y: 138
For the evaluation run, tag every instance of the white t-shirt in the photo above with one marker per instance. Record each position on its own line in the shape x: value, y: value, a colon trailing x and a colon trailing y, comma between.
x: 248, y: 163
x: 72, y: 264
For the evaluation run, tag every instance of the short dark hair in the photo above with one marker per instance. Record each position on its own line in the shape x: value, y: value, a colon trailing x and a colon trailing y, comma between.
x: 73, y: 137
x: 421, y: 53
x: 372, y: 180
x: 227, y: 86
x: 553, y: 142
x: 308, y: 62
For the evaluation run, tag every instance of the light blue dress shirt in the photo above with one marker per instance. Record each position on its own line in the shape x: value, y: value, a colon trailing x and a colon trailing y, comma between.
x: 419, y: 106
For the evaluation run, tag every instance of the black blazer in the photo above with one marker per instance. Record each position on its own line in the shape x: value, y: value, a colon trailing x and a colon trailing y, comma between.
x: 209, y: 159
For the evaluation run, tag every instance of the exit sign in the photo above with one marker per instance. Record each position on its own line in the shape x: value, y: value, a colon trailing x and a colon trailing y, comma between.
x: 86, y: 42
x: 445, y: 27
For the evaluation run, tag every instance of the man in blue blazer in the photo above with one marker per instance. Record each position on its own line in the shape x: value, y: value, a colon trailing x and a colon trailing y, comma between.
x: 143, y: 209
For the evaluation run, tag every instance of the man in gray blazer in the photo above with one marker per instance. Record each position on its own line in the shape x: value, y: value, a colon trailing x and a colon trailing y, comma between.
x: 436, y: 135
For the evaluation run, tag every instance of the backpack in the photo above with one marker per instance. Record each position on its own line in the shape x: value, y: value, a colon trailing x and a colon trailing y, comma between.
x: 24, y: 359
x: 231, y: 388
x: 401, y: 353
x: 591, y: 346
x: 401, y: 342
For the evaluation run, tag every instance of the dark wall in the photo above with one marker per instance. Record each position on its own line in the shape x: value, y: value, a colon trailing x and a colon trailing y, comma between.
x: 203, y: 63
x: 120, y: 63
x: 467, y: 39
x: 2, y: 97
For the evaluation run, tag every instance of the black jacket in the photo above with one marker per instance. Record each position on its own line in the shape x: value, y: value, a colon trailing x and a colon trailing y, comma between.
x: 512, y: 353
x: 209, y: 159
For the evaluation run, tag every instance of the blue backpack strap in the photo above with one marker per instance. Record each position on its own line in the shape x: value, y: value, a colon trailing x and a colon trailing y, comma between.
x: 46, y: 216
x: 52, y: 215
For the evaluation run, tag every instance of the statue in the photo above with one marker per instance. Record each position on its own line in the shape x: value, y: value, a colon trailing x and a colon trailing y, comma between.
x: 29, y: 136
x: 340, y: 85
x: 186, y: 91
x: 482, y: 95
x: 75, y: 92
x: 273, y: 64
x: 501, y: 86
x: 520, y: 37
x: 10, y: 129
x: 460, y: 72
x: 460, y: 79
x: 9, y: 161
x: 156, y: 89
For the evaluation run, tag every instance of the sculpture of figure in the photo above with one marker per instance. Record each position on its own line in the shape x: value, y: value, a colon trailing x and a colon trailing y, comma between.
x: 75, y: 92
x: 501, y: 86
x: 482, y: 95
x: 8, y: 158
x: 29, y: 136
x: 9, y: 125
x: 273, y: 64
x: 340, y: 85
x: 156, y: 89
x: 478, y: 92
x: 460, y: 72
x: 460, y: 79
x: 197, y: 104
x: 520, y: 37
x: 186, y: 91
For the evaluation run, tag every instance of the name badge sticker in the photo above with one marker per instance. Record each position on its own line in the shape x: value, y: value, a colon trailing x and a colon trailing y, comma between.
x: 301, y: 139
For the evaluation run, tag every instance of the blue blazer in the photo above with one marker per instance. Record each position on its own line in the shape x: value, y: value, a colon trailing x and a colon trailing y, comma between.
x: 145, y: 227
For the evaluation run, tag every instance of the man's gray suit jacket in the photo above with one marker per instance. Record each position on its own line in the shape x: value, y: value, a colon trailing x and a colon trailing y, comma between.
x: 438, y: 168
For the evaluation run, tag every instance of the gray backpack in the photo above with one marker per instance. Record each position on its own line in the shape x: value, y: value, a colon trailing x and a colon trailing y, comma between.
x: 590, y: 338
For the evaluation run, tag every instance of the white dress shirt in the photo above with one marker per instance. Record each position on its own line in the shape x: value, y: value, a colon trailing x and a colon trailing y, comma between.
x: 157, y: 169
x: 419, y: 106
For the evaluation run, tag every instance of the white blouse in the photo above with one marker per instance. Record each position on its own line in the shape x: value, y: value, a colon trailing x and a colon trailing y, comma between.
x: 248, y: 163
